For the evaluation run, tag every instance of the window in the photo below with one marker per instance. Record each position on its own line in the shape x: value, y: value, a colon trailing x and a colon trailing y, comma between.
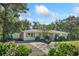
x: 27, y: 34
x: 30, y: 34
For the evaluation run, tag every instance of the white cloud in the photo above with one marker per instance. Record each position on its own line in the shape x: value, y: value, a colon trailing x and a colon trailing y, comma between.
x: 42, y: 10
x: 29, y: 19
x: 20, y: 18
x: 55, y: 15
x: 76, y: 9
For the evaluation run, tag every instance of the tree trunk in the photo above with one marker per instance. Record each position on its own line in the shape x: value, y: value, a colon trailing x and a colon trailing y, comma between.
x: 5, y: 30
x: 5, y: 24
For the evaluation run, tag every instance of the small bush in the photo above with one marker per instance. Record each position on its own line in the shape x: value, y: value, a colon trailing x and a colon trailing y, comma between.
x: 63, y: 49
x: 22, y: 50
x: 12, y: 49
x: 61, y: 38
x: 47, y: 39
x: 37, y: 38
x: 7, y: 48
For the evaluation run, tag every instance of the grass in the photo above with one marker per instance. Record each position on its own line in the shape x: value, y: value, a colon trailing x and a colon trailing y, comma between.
x: 74, y: 43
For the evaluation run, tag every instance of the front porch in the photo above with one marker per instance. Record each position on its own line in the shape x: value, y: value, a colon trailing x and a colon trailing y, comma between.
x: 32, y: 34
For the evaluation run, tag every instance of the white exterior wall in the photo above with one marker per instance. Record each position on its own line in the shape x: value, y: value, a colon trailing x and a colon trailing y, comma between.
x: 28, y: 38
x: 33, y: 38
x: 53, y: 37
x: 16, y: 35
x: 37, y: 33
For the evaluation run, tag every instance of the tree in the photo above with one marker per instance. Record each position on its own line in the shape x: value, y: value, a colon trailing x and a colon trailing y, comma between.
x: 9, y: 12
x: 21, y: 25
x: 36, y: 25
x: 71, y: 25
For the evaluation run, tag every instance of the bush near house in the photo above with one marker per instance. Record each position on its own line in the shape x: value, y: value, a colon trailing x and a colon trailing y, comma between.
x: 37, y: 38
x: 12, y: 49
x: 45, y: 39
x: 22, y: 50
x: 74, y: 43
x: 63, y: 49
x: 60, y: 38
x: 7, y: 49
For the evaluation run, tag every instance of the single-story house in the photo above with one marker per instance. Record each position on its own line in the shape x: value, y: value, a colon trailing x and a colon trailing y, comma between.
x: 32, y: 33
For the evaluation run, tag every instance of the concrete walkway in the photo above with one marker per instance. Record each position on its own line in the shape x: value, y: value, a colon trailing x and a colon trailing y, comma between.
x: 35, y: 51
x: 41, y: 46
x: 38, y: 48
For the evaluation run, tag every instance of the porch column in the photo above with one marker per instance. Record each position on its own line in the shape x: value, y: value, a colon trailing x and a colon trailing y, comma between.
x: 24, y: 37
x: 53, y: 38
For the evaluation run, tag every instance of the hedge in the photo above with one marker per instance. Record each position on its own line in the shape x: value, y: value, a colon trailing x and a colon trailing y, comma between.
x: 63, y: 49
x: 12, y: 49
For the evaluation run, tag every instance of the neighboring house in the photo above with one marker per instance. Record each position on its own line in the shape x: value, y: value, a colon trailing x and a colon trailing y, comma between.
x: 31, y: 34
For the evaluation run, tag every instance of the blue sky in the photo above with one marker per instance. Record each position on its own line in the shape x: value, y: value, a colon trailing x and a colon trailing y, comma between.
x: 46, y: 13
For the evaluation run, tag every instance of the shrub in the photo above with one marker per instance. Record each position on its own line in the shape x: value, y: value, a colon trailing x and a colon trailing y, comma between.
x: 61, y: 38
x: 22, y: 50
x: 47, y: 39
x: 7, y: 48
x: 63, y: 49
x: 37, y: 38
x: 12, y: 49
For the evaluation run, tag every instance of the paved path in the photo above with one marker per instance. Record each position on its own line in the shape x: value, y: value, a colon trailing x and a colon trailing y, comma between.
x: 38, y: 48
x: 41, y: 46
x: 35, y: 51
